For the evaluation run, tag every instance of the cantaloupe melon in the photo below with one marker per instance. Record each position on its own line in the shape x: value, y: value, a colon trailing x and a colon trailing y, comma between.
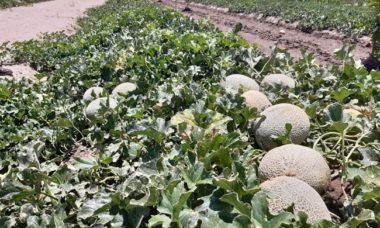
x: 286, y: 191
x: 281, y: 80
x: 92, y: 93
x: 237, y: 81
x: 351, y: 113
x: 124, y: 88
x: 256, y: 99
x: 273, y: 124
x: 296, y: 161
x: 93, y: 108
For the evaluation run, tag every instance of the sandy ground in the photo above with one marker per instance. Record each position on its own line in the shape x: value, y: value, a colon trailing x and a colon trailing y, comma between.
x: 28, y: 22
x: 267, y: 34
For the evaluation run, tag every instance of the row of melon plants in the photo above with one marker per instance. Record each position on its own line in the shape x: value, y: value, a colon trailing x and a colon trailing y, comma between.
x: 141, y: 119
x: 352, y: 18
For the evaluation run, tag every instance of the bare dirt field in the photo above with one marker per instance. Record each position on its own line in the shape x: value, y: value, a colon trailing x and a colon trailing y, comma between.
x: 27, y: 22
x: 266, y: 34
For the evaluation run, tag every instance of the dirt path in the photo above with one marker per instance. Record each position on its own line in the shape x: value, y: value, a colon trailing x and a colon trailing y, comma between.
x: 27, y: 22
x: 266, y: 35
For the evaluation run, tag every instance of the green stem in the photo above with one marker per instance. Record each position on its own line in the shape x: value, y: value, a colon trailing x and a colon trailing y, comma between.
x: 354, y: 148
x: 322, y: 136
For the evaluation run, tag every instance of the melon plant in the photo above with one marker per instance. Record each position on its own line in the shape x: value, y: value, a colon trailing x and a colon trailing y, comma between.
x: 275, y: 122
x: 373, y: 61
x: 296, y: 161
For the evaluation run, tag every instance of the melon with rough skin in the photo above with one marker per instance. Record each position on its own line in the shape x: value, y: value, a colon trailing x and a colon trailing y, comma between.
x: 92, y: 93
x: 274, y: 121
x: 296, y: 161
x: 256, y: 99
x: 237, y: 81
x: 94, y: 106
x: 286, y: 191
x: 281, y: 80
x: 124, y: 88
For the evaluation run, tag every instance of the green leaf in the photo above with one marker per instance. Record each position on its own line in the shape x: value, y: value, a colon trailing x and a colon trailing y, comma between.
x: 151, y: 133
x: 342, y: 94
x: 85, y: 163
x: 212, y: 220
x: 365, y: 215
x: 335, y: 112
x: 174, y: 201
x: 233, y: 184
x: 63, y: 122
x: 90, y: 207
x: 159, y: 220
x: 232, y: 199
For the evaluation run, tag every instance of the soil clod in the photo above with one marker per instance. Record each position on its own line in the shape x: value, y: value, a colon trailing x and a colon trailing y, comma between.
x: 5, y: 72
x: 187, y: 9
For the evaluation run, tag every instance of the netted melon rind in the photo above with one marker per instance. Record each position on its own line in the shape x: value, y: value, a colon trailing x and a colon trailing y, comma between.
x: 237, y: 81
x: 281, y: 80
x: 296, y: 161
x: 274, y: 124
x: 284, y: 191
x: 256, y: 99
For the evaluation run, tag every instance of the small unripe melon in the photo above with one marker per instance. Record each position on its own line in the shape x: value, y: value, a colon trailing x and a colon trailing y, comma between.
x: 93, y: 108
x: 274, y: 124
x: 286, y: 191
x: 281, y: 80
x: 236, y: 81
x: 256, y: 99
x: 124, y: 88
x: 92, y: 93
x: 296, y: 161
x: 351, y: 113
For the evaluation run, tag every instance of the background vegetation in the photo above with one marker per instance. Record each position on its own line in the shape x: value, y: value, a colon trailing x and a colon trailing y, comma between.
x: 350, y: 17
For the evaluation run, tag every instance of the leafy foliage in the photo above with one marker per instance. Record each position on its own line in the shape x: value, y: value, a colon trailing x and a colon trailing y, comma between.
x: 376, y: 35
x: 353, y: 18
x: 177, y: 151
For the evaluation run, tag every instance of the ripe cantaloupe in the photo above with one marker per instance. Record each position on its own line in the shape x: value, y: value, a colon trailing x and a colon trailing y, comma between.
x: 93, y: 108
x: 281, y: 80
x: 296, y: 161
x: 236, y: 81
x: 273, y: 123
x: 284, y: 191
x: 92, y: 93
x: 124, y: 88
x: 256, y: 99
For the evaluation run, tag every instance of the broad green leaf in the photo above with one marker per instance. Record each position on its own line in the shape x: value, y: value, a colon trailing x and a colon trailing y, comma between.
x: 159, y: 221
x: 90, y: 207
x: 232, y: 199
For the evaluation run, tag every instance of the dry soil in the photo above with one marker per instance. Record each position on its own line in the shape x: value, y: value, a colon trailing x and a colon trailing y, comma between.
x: 268, y: 34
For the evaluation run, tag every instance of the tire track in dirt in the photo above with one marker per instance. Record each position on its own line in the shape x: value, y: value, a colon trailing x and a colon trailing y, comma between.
x: 266, y: 35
